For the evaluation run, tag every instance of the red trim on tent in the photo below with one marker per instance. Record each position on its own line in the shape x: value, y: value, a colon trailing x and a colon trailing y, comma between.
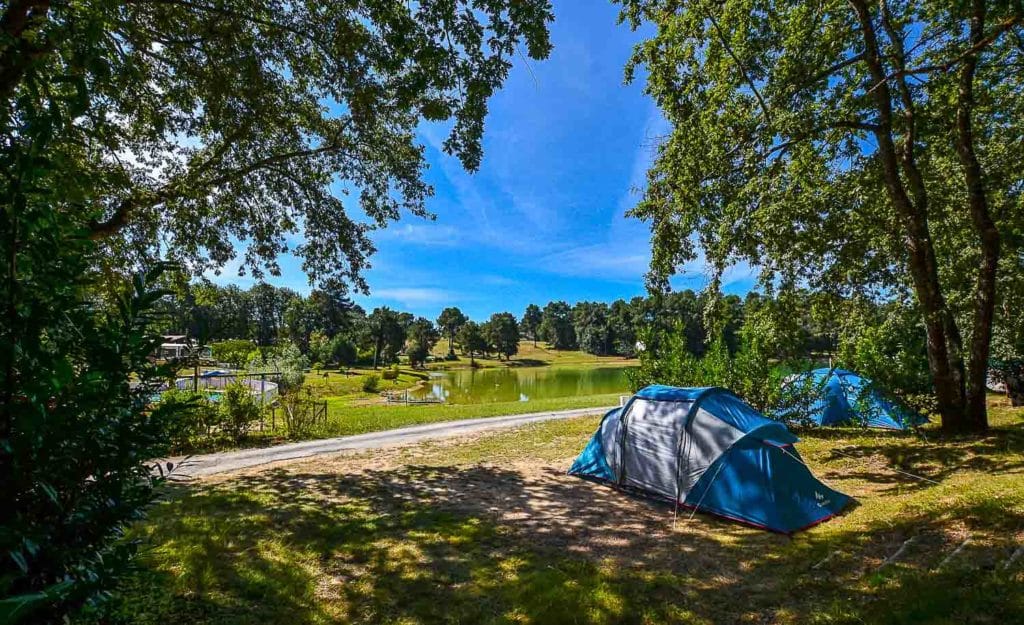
x: 638, y: 492
x: 820, y: 521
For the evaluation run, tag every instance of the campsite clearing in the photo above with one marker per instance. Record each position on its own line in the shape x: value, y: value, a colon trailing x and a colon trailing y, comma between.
x: 491, y: 530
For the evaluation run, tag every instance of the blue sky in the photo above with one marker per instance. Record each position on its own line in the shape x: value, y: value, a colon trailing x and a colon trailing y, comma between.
x: 566, y: 148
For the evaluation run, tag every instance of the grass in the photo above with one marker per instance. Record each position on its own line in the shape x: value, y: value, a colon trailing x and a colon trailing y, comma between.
x: 491, y: 531
x: 349, y: 387
x: 344, y: 419
x: 529, y: 355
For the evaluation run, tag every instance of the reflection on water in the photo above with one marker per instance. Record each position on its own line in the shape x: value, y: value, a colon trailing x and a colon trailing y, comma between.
x: 477, y: 386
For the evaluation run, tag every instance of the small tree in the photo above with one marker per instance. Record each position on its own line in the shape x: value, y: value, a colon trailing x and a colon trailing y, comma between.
x: 422, y: 338
x: 502, y: 332
x: 319, y: 347
x: 287, y: 360
x: 238, y: 410
x: 471, y: 340
x: 450, y: 320
x: 342, y: 351
x: 530, y: 324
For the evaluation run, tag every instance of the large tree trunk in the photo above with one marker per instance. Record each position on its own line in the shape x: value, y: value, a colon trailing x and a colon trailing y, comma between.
x: 944, y: 358
x: 976, y: 416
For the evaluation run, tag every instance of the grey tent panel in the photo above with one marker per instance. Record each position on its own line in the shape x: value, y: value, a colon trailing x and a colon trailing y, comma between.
x: 697, y: 452
x: 650, y: 445
x: 658, y: 451
x: 611, y: 431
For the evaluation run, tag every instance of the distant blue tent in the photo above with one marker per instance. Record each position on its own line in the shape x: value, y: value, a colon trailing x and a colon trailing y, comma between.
x: 847, y: 398
x: 708, y: 450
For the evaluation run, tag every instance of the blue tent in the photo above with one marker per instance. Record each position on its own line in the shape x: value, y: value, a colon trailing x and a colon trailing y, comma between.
x: 845, y: 397
x: 706, y: 449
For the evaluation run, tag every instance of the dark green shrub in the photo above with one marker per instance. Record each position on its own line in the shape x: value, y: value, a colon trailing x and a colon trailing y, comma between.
x: 195, y: 417
x: 75, y: 436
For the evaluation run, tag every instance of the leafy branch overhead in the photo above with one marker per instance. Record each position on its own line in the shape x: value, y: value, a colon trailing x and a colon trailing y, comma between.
x: 187, y: 126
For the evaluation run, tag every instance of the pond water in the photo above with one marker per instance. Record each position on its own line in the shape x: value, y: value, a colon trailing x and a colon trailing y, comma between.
x: 478, y: 386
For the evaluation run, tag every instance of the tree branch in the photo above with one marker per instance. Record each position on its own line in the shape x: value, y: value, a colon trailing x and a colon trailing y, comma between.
x: 172, y: 190
x: 997, y: 32
x: 743, y: 71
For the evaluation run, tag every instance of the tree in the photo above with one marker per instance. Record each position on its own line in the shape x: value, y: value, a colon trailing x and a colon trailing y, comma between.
x: 388, y: 333
x: 302, y: 317
x: 593, y: 332
x: 234, y: 352
x: 335, y: 311
x: 204, y: 123
x: 471, y: 339
x: 502, y: 332
x: 556, y: 327
x: 1008, y: 338
x: 622, y: 321
x: 342, y: 351
x: 856, y: 148
x: 450, y: 320
x: 530, y: 324
x: 319, y: 348
x: 422, y: 338
x: 268, y: 306
x: 217, y: 312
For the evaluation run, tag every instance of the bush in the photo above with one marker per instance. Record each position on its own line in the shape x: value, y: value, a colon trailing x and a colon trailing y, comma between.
x: 888, y: 345
x: 298, y: 409
x: 391, y: 373
x: 371, y: 383
x: 75, y: 437
x: 750, y: 372
x: 195, y: 417
x: 238, y: 409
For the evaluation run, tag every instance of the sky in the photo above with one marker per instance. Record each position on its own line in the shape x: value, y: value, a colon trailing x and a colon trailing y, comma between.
x: 566, y: 150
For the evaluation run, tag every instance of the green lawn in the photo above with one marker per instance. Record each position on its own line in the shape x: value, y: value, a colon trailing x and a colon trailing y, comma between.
x: 529, y: 355
x: 344, y: 419
x: 492, y: 531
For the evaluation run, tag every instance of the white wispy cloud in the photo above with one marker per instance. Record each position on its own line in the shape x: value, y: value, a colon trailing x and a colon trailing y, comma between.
x: 415, y: 296
x: 423, y: 233
x: 621, y: 262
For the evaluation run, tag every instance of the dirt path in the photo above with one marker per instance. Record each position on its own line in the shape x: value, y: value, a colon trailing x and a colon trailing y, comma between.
x: 211, y: 464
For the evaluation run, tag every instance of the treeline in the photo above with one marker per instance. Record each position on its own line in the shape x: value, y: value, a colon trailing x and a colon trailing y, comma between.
x: 329, y: 328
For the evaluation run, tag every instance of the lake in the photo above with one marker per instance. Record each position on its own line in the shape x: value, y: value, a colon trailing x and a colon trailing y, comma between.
x: 478, y: 386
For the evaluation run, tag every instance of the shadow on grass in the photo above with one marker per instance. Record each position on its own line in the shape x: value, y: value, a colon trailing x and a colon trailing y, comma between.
x: 915, y: 461
x: 485, y: 544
